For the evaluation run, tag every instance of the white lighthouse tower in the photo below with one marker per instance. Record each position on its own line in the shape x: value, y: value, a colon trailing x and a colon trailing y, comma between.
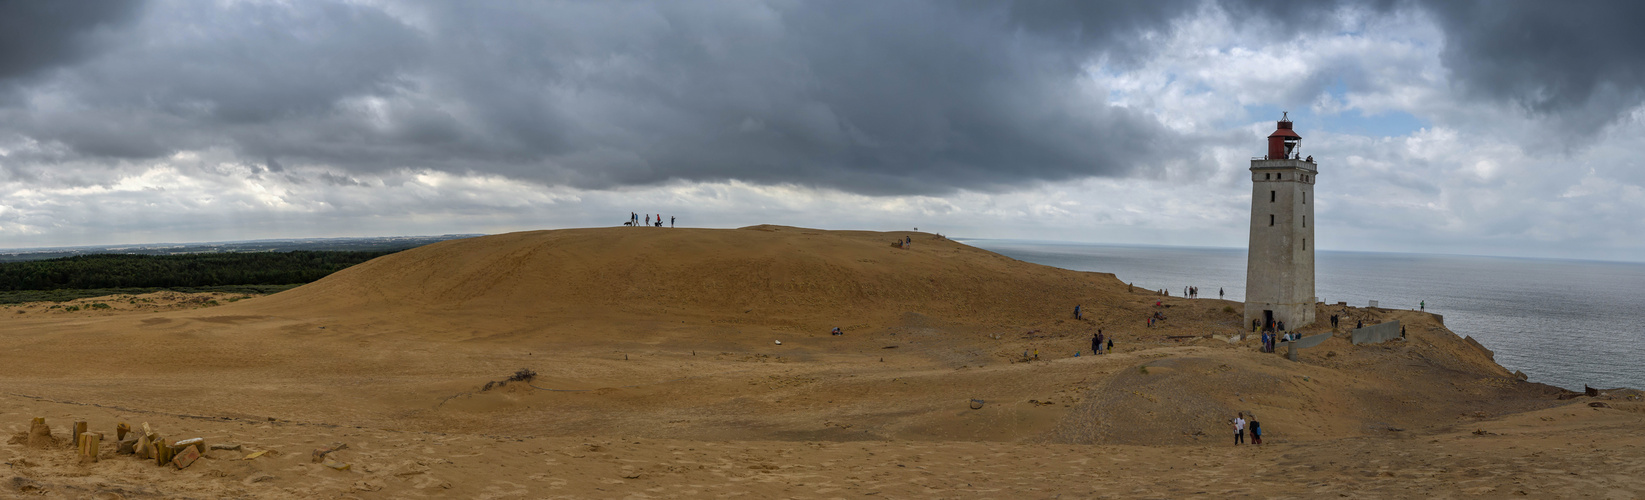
x: 1279, y: 275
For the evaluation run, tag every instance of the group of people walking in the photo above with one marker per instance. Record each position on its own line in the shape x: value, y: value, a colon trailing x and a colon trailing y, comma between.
x: 634, y: 220
x: 1239, y: 429
x: 1097, y: 343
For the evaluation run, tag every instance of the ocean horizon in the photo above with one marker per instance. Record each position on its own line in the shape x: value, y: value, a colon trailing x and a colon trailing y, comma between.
x: 1566, y: 323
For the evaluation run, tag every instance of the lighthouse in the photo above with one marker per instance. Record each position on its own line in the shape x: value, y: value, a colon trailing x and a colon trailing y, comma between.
x: 1279, y: 272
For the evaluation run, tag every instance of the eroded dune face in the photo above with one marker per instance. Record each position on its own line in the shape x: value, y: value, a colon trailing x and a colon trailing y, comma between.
x: 674, y: 333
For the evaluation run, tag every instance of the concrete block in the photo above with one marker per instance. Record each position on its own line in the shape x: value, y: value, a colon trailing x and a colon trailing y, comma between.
x: 128, y: 445
x: 163, y: 453
x: 79, y: 428
x: 143, y: 448
x: 89, y: 446
x: 198, y: 443
x: 186, y: 457
x: 120, y: 431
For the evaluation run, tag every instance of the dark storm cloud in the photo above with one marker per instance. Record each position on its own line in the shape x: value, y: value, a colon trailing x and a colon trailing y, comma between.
x: 40, y: 35
x: 1582, y: 63
x: 883, y: 97
x: 896, y: 97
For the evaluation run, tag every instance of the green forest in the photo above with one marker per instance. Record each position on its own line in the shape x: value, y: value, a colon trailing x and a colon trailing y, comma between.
x: 104, y: 274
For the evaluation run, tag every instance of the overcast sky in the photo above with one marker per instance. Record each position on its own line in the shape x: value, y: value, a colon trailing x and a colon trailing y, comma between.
x: 1490, y: 127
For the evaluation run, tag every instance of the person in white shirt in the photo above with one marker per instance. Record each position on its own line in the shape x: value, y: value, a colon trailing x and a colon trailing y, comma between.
x: 1239, y: 430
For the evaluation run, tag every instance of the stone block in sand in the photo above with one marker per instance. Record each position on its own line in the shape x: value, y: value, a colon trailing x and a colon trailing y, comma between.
x: 90, y: 443
x: 199, y: 443
x: 186, y: 457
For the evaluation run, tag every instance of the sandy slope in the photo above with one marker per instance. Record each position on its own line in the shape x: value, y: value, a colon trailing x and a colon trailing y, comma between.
x: 668, y: 338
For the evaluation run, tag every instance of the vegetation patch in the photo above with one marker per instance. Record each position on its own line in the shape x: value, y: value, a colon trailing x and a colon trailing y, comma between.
x: 250, y: 273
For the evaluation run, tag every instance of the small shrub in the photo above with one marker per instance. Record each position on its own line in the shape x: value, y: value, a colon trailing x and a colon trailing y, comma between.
x: 98, y: 305
x: 71, y: 308
x: 524, y: 375
x: 1228, y: 309
x: 1142, y: 369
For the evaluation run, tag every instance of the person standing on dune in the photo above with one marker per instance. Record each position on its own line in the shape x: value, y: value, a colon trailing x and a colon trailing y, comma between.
x: 1096, y: 342
x: 1256, y: 431
x: 1076, y: 311
x: 1239, y: 430
x: 670, y: 222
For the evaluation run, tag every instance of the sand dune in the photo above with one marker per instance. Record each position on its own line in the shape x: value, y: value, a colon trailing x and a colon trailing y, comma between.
x: 656, y: 355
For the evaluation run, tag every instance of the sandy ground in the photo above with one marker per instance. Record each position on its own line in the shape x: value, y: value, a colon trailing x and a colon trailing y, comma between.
x: 659, y: 375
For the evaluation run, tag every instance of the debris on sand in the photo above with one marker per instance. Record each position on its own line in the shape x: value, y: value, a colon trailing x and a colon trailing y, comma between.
x: 522, y: 375
x: 319, y: 454
x: 976, y: 404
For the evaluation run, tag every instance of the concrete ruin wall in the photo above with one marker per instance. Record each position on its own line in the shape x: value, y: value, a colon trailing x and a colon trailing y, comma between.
x: 1377, y: 333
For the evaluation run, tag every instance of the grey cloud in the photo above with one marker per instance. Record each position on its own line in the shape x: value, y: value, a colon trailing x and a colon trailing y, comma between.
x: 35, y: 36
x: 893, y: 98
x: 880, y: 98
x: 1578, y: 63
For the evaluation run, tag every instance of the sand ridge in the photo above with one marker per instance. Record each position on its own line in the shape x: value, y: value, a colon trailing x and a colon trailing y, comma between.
x: 669, y: 337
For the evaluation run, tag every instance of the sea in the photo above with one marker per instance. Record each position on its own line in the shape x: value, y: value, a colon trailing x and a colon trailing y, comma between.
x: 1566, y: 323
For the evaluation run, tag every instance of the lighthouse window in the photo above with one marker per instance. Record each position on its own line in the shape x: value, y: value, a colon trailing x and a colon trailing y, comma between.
x: 1270, y: 219
x: 1304, y: 197
x: 1272, y: 195
x: 1265, y: 176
